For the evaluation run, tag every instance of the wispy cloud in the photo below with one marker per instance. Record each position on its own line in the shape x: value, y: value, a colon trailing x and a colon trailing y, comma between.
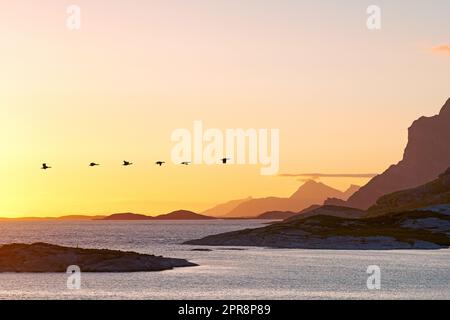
x: 329, y: 175
x: 442, y: 49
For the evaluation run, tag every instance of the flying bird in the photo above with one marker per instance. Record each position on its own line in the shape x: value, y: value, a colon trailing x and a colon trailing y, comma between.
x: 127, y: 163
x: 160, y: 163
x: 186, y: 163
x: 225, y: 160
x: 93, y: 164
x: 45, y: 166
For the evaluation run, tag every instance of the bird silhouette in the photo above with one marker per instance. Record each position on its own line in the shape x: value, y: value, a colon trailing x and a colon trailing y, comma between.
x: 127, y: 163
x: 186, y: 163
x: 160, y: 163
x: 225, y: 160
x: 93, y: 164
x: 45, y: 166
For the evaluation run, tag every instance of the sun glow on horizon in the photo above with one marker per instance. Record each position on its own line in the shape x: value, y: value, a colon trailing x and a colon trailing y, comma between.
x: 341, y: 96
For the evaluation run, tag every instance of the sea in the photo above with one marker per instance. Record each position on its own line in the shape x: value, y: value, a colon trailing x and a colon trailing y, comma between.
x: 224, y: 272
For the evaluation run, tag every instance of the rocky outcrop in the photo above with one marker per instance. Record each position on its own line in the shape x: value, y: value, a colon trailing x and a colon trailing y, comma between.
x: 276, y: 215
x: 410, y: 219
x: 314, y: 210
x: 427, y: 154
x: 432, y: 194
x: 334, y: 211
x: 44, y: 257
x: 406, y: 230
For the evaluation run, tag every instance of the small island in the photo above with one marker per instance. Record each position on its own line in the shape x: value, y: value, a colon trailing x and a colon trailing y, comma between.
x: 44, y: 257
x: 175, y: 215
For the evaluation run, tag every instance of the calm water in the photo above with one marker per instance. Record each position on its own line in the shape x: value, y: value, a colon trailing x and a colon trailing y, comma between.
x: 253, y: 273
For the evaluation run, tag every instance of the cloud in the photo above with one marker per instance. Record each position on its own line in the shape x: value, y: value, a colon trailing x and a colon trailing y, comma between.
x: 442, y: 49
x: 329, y: 175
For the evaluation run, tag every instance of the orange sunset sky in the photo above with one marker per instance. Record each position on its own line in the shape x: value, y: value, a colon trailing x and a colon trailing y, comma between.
x: 342, y: 96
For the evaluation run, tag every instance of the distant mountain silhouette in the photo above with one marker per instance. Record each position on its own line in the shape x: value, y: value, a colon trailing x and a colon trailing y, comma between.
x: 342, y: 201
x: 127, y: 216
x: 350, y: 191
x: 427, y: 154
x: 327, y: 210
x: 175, y: 215
x: 223, y: 208
x: 309, y: 193
x: 433, y: 196
x: 417, y: 218
x: 314, y: 210
x: 275, y: 215
x: 182, y: 215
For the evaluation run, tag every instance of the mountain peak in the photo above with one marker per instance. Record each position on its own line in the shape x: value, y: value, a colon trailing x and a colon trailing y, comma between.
x: 310, y: 182
x: 313, y: 188
x: 182, y: 215
x: 445, y: 109
x: 432, y: 194
x: 350, y: 191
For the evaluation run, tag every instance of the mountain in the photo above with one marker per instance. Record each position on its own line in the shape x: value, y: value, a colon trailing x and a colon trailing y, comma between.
x: 350, y: 191
x: 282, y: 215
x: 224, y: 208
x: 314, y: 210
x: 417, y: 218
x: 433, y: 194
x: 426, y: 155
x: 127, y: 216
x: 275, y: 215
x: 175, y: 215
x: 327, y: 210
x: 182, y: 215
x: 311, y: 192
x: 342, y: 201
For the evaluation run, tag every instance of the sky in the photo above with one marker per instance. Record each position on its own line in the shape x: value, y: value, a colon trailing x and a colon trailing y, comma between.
x: 341, y: 95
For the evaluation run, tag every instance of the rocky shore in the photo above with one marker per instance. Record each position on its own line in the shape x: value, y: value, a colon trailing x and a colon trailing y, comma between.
x: 407, y: 230
x: 44, y: 257
x: 417, y: 218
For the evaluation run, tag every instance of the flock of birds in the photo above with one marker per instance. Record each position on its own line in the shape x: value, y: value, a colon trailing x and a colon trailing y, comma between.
x: 125, y: 163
